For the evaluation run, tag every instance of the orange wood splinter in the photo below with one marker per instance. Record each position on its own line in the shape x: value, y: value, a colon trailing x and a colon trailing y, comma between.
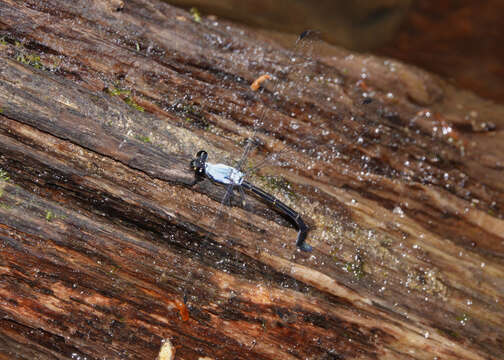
x: 257, y: 82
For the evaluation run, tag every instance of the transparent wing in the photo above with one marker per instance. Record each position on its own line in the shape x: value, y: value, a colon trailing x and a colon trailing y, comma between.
x: 290, y: 87
x: 281, y: 138
x: 219, y: 222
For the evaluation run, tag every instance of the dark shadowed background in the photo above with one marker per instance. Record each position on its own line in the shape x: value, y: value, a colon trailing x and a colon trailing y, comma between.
x: 457, y: 39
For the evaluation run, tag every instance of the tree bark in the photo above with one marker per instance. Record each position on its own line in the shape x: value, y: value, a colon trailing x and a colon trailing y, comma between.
x: 109, y: 247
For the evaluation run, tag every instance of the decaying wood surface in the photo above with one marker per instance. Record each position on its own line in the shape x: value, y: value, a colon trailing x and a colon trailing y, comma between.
x: 108, y: 248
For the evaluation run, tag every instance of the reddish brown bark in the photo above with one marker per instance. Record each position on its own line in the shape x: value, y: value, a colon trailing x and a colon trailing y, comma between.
x: 108, y: 247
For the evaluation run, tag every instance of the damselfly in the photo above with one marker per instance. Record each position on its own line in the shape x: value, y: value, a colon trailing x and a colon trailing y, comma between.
x: 234, y: 177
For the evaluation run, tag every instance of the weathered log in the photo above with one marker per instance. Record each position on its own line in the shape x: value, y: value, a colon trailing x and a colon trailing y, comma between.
x: 108, y: 246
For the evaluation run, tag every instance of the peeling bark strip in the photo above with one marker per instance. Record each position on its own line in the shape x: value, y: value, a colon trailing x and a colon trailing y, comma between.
x: 104, y: 246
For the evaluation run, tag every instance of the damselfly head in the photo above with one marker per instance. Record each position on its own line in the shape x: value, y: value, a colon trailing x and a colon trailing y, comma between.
x: 198, y: 164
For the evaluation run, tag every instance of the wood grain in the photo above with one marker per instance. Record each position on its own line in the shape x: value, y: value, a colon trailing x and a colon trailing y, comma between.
x: 108, y: 247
